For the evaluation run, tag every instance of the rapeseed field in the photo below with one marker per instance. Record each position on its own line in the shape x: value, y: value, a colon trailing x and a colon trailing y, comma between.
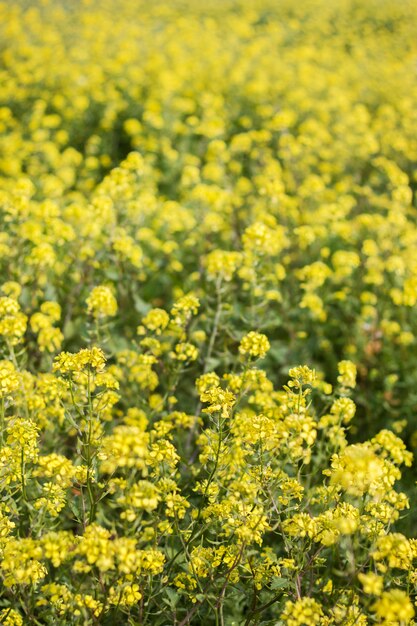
x: 208, y: 312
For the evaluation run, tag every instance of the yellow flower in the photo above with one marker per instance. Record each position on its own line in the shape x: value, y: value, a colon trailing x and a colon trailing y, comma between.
x: 12, y: 321
x: 371, y: 583
x: 156, y: 320
x: 222, y: 264
x: 125, y: 595
x: 347, y: 374
x: 101, y: 302
x: 303, y: 612
x: 9, y: 379
x: 10, y: 617
x: 219, y: 400
x: 67, y: 362
x: 393, y: 608
x: 255, y: 345
x: 185, y: 352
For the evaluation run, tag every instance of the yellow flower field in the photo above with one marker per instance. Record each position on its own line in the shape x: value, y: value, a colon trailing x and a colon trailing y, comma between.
x: 208, y: 312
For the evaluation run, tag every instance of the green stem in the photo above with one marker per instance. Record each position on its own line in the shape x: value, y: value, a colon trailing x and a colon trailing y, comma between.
x: 2, y: 424
x: 195, y: 533
x: 22, y: 387
x: 22, y: 474
x: 89, y: 455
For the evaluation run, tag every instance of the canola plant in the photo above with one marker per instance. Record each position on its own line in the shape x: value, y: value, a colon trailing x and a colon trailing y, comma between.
x: 208, y: 312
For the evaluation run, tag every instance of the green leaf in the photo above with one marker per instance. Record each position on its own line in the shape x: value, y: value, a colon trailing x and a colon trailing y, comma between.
x: 173, y: 597
x: 279, y: 583
x: 141, y: 306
